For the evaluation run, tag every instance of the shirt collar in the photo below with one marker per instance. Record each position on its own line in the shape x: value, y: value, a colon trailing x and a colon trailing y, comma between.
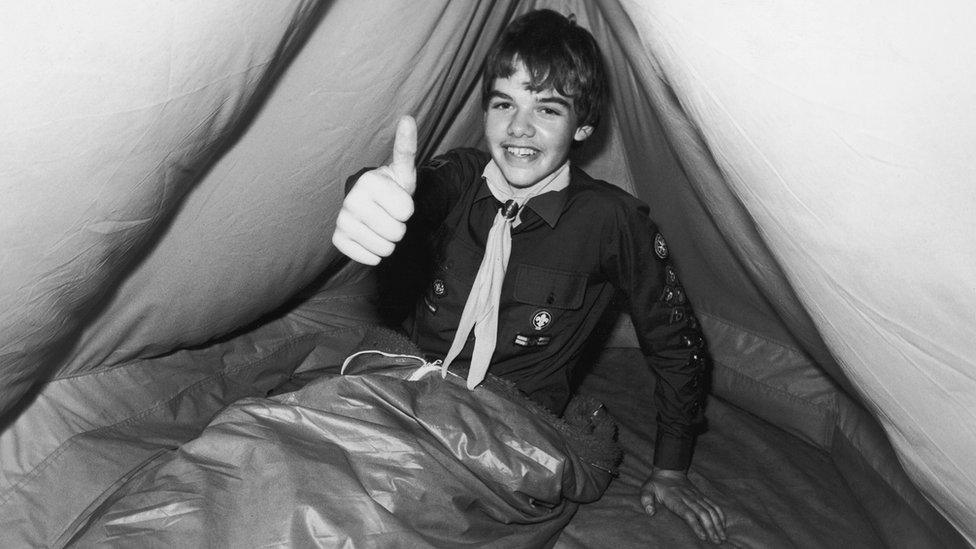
x: 548, y: 204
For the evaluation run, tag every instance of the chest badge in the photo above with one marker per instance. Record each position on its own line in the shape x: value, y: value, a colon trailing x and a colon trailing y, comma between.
x: 440, y: 289
x: 541, y: 319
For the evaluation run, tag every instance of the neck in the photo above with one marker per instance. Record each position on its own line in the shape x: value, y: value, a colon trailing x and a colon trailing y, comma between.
x: 502, y: 189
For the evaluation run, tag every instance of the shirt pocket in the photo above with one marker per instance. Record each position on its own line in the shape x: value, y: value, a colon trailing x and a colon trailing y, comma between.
x: 553, y: 288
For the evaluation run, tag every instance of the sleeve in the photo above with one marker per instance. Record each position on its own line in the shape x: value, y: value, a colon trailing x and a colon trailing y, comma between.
x: 667, y: 330
x: 440, y: 183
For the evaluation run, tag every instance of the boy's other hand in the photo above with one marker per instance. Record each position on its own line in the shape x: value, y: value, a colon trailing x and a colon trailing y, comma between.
x: 374, y: 213
x: 675, y: 491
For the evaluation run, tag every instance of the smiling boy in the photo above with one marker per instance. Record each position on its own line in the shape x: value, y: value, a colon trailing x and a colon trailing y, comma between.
x: 525, y: 251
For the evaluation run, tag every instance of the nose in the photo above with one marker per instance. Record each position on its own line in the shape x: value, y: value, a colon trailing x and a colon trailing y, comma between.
x: 520, y: 125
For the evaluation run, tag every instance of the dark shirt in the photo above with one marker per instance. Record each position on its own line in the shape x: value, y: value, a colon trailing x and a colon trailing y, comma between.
x: 572, y: 251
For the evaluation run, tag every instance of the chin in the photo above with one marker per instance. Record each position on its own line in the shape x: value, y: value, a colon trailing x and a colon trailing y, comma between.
x: 519, y: 179
x: 518, y: 176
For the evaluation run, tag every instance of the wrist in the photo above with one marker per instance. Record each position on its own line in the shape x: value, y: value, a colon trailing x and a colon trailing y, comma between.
x: 658, y: 472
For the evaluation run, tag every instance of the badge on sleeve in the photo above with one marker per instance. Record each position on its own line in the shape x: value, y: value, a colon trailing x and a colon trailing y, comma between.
x: 670, y: 277
x: 677, y: 315
x: 667, y: 295
x: 679, y: 295
x: 660, y: 246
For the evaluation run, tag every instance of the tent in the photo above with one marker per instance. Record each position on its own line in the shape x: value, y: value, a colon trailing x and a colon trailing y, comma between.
x: 170, y: 175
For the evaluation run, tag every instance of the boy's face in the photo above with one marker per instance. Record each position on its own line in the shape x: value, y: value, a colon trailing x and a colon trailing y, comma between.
x: 529, y: 133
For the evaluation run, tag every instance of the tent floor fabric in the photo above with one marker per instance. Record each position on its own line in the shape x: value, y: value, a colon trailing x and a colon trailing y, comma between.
x: 777, y: 490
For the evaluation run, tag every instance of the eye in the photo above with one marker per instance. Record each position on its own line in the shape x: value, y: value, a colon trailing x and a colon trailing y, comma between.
x: 549, y: 111
x: 499, y: 104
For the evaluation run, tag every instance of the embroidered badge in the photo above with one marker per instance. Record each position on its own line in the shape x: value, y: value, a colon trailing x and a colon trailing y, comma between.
x: 670, y: 277
x: 679, y: 295
x: 660, y: 246
x: 677, y: 315
x: 524, y: 340
x: 440, y: 289
x: 692, y: 341
x: 541, y: 319
x: 668, y: 295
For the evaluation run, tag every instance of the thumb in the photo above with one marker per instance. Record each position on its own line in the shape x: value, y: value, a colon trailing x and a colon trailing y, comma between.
x: 404, y: 150
x: 647, y: 501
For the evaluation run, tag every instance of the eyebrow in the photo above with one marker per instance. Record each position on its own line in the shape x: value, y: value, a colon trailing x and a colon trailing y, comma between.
x: 493, y: 94
x: 556, y: 100
x: 551, y: 99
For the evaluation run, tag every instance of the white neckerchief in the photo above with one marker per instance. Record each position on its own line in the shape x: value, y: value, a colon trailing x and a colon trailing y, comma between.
x: 480, y: 312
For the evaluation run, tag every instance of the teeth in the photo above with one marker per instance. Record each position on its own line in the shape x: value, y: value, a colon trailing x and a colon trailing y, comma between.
x: 520, y: 151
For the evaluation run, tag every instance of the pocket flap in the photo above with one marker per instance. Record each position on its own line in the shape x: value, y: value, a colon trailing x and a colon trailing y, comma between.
x: 549, y: 287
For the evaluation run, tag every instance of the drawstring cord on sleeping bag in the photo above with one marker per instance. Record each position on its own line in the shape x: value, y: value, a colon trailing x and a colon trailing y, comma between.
x: 424, y: 369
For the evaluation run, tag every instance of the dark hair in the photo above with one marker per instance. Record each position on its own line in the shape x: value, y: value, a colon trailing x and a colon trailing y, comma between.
x: 557, y: 54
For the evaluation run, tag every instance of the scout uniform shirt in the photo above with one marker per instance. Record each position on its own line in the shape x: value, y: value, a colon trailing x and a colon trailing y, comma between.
x: 570, y: 253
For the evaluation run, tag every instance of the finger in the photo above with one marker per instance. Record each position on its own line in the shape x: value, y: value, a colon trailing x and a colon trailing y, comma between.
x: 361, y: 234
x: 404, y: 151
x: 374, y: 243
x: 718, y: 517
x: 379, y: 187
x: 647, y: 502
x: 718, y: 509
x: 354, y: 251
x: 691, y: 518
x: 377, y: 218
x: 393, y: 198
x: 705, y: 519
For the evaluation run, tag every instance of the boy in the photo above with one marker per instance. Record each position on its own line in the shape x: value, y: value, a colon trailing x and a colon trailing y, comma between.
x: 527, y: 250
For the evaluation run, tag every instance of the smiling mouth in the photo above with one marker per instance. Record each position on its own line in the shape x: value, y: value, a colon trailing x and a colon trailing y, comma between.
x: 520, y: 152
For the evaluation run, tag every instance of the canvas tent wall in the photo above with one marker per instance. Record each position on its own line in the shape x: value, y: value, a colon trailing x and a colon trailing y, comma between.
x: 171, y: 174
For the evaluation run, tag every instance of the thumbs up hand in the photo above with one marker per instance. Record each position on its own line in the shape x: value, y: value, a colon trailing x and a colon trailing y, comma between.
x: 374, y: 214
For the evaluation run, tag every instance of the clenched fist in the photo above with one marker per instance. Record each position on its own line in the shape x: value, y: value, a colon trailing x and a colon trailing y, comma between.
x: 374, y: 214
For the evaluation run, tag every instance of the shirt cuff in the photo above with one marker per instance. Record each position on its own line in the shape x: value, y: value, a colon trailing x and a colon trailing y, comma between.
x: 671, y: 452
x: 352, y: 179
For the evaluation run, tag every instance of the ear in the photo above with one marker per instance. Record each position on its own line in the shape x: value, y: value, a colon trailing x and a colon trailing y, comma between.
x: 583, y: 132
